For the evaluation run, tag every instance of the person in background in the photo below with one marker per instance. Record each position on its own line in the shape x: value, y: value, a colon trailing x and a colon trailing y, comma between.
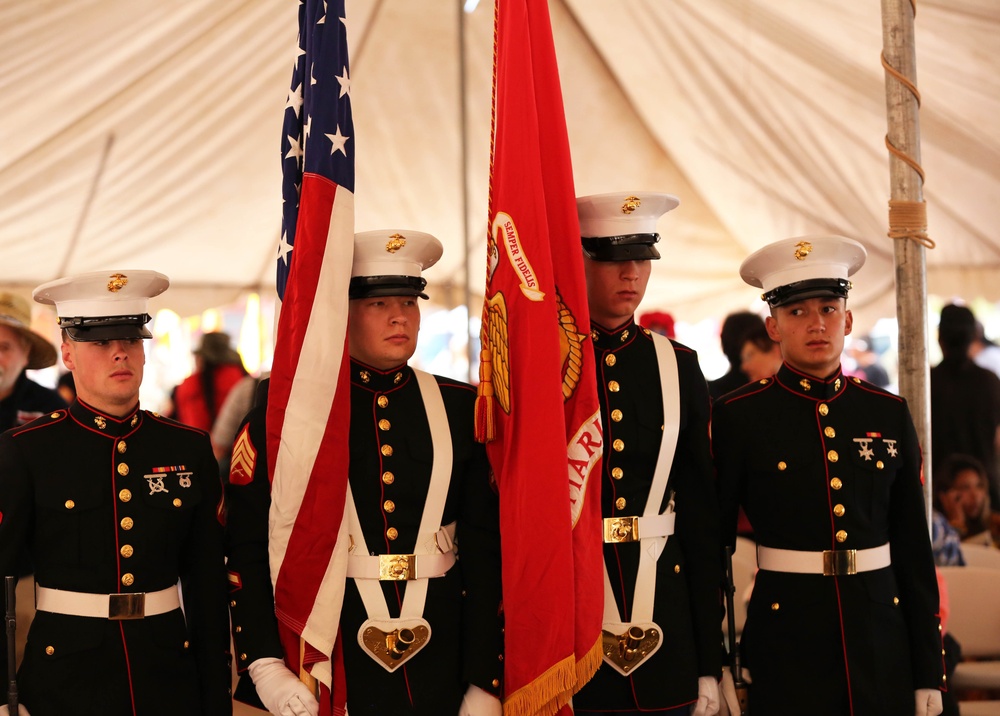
x: 734, y: 327
x: 66, y: 387
x: 965, y: 399
x: 121, y: 511
x: 985, y: 352
x: 661, y: 528
x: 659, y: 322
x: 218, y: 367
x: 423, y: 522
x: 22, y: 399
x: 234, y: 408
x: 843, y: 618
x: 961, y: 494
x: 760, y: 357
x: 946, y: 542
x: 866, y: 359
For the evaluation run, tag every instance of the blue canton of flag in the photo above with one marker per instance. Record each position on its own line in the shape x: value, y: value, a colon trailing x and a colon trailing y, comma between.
x: 318, y: 130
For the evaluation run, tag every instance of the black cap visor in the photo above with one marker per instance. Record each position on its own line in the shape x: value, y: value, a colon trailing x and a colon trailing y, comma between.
x: 812, y: 288
x: 628, y: 247
x: 371, y: 286
x: 106, y: 328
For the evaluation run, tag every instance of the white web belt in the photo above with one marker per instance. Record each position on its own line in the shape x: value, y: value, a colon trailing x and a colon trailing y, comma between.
x: 651, y: 529
x: 430, y: 521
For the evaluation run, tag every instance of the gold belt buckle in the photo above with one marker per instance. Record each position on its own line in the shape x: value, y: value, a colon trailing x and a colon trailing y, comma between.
x: 397, y: 567
x: 840, y: 562
x: 621, y: 529
x: 126, y: 606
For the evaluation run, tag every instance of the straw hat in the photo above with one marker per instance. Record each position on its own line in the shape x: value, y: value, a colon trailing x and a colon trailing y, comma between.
x: 15, y: 313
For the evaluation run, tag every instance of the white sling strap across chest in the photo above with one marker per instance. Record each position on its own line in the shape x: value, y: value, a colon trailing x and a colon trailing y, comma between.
x: 623, y: 653
x: 393, y: 641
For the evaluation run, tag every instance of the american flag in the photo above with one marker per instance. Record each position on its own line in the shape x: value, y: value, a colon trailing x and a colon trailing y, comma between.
x: 308, y: 400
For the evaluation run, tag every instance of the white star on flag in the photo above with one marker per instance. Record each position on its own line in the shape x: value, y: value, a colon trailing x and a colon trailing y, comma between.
x: 294, y: 149
x: 295, y: 99
x: 339, y: 142
x: 345, y: 83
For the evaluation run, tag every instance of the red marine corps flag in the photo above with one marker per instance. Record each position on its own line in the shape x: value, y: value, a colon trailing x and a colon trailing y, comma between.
x: 309, y: 397
x: 538, y: 409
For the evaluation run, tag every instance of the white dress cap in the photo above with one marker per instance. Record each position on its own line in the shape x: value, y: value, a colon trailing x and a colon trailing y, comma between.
x: 389, y: 262
x: 622, y: 226
x: 103, y: 305
x: 804, y: 267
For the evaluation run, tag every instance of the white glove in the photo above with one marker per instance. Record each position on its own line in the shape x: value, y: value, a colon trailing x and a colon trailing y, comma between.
x: 477, y: 702
x: 280, y: 690
x: 928, y: 702
x: 21, y: 711
x: 708, y: 697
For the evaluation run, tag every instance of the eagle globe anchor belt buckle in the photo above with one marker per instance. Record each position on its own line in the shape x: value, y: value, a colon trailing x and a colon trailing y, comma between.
x: 624, y: 529
x: 621, y: 529
x: 397, y: 567
x: 393, y: 642
x: 628, y: 650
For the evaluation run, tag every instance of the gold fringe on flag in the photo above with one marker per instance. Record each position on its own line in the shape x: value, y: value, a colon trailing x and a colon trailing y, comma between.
x: 546, y: 694
x: 589, y: 664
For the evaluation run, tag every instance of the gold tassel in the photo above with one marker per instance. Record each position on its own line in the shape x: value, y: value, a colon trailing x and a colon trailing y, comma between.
x: 485, y: 421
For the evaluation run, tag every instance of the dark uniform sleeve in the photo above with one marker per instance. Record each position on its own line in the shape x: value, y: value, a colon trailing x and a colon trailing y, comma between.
x: 203, y: 584
x: 251, y: 605
x: 16, y: 510
x: 729, y: 459
x: 479, y: 558
x: 698, y: 514
x: 912, y: 561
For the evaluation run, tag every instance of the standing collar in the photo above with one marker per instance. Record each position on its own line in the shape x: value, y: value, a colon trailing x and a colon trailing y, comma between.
x: 810, y: 387
x: 606, y: 340
x: 379, y: 380
x: 102, y: 422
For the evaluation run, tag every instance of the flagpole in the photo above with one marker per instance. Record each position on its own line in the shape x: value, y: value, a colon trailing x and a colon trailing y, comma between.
x: 907, y: 217
x: 464, y: 183
x: 304, y: 676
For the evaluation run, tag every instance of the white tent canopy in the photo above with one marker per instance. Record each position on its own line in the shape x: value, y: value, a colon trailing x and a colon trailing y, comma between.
x: 142, y: 134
